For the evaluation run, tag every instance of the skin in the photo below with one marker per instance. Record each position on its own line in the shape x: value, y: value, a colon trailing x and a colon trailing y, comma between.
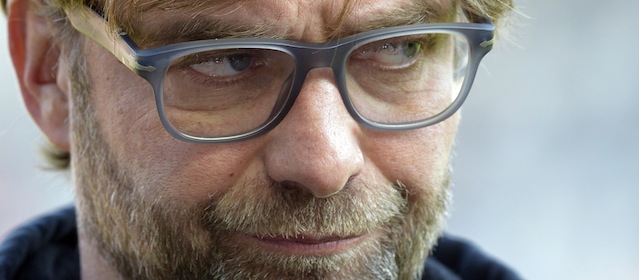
x: 317, y: 152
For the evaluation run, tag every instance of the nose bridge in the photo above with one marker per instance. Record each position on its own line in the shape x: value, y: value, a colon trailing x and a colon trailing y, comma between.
x: 309, y: 58
x: 331, y: 55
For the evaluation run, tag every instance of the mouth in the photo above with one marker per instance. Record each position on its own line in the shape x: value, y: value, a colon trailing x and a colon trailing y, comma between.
x: 306, y: 245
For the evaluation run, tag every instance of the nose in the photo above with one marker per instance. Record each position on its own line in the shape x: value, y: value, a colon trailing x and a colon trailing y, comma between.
x: 316, y: 146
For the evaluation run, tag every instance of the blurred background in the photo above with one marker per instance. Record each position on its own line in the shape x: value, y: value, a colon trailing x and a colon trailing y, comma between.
x: 547, y: 163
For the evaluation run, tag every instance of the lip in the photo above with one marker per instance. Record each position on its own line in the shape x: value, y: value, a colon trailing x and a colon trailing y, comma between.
x: 307, y: 245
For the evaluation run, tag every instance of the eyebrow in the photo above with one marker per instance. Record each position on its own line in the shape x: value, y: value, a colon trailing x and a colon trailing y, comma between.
x: 177, y: 31
x: 413, y: 14
x: 206, y: 27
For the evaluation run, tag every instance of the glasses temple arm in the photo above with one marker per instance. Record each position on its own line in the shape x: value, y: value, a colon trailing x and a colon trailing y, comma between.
x: 95, y: 27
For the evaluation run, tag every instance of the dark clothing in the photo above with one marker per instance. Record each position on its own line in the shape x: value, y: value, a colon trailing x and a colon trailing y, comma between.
x: 47, y: 248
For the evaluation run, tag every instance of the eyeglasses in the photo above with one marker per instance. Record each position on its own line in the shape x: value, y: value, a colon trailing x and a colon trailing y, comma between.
x: 215, y: 91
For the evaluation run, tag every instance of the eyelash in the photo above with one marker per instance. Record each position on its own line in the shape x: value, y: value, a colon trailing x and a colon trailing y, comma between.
x: 197, y: 77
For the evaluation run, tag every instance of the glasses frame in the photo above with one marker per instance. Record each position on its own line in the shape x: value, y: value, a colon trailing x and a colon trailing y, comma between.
x: 151, y: 64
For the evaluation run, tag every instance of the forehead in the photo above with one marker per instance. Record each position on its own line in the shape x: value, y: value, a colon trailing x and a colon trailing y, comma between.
x: 293, y: 19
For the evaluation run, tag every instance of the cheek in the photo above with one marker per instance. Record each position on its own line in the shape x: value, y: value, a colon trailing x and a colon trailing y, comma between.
x: 419, y: 158
x: 124, y: 108
x: 158, y: 164
x: 123, y: 102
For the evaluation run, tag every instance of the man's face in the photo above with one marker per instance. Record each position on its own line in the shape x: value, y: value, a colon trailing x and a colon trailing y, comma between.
x: 319, y: 196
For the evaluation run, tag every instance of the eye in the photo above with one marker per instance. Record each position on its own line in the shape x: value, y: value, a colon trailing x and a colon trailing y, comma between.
x: 225, y: 66
x: 389, y: 53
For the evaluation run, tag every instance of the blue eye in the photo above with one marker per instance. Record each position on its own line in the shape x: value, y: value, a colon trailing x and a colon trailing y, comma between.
x: 240, y: 62
x: 390, y: 54
x: 224, y: 66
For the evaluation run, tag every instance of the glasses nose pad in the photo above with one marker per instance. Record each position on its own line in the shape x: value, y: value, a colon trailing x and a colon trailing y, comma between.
x: 285, y: 93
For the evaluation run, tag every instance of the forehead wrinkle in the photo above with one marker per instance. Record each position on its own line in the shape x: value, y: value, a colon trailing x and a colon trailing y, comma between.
x: 140, y: 6
x: 126, y: 14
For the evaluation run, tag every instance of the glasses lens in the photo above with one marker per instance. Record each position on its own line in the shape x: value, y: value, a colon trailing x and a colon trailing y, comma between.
x: 226, y: 92
x: 408, y: 78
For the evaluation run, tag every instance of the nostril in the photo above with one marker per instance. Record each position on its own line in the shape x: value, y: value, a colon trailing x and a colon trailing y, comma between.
x: 292, y: 187
x: 293, y: 191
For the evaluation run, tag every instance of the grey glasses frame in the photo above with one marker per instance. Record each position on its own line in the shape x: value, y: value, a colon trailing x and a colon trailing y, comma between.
x: 151, y: 64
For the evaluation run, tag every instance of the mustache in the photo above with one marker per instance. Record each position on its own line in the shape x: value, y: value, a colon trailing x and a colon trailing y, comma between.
x: 288, y: 210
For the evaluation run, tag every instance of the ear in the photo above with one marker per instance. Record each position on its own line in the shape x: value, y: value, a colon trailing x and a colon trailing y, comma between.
x: 42, y: 74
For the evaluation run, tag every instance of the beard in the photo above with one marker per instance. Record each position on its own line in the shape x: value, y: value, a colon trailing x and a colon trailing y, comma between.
x: 155, y: 237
